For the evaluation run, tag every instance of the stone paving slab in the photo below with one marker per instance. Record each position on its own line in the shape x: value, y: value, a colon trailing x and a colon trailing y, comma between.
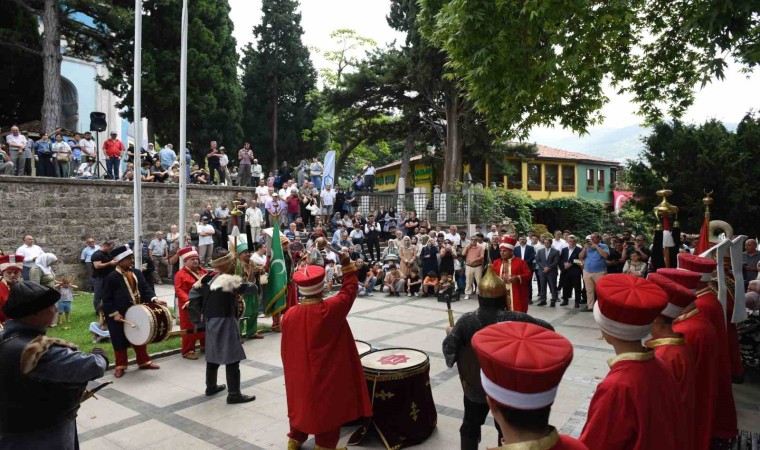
x: 167, y: 408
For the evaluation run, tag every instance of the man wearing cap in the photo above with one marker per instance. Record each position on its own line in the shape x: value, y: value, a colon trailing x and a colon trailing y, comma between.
x: 515, y: 273
x: 123, y: 288
x: 43, y: 378
x: 707, y: 303
x: 113, y: 149
x: 636, y: 406
x: 10, y: 268
x: 457, y: 349
x: 248, y: 272
x: 184, y: 280
x: 669, y: 347
x: 324, y: 380
x: 521, y: 367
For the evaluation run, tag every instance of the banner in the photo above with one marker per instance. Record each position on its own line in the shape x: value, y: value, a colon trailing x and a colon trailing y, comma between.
x: 620, y: 197
x: 276, y: 298
x: 328, y: 176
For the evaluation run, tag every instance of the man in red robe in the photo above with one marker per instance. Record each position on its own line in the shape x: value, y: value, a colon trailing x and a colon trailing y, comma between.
x: 725, y: 421
x: 701, y: 338
x: 669, y: 347
x: 10, y: 269
x: 324, y: 380
x: 637, y: 405
x: 184, y: 280
x: 516, y: 273
x: 521, y: 367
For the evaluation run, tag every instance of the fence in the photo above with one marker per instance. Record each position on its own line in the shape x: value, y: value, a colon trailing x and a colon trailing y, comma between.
x: 438, y: 208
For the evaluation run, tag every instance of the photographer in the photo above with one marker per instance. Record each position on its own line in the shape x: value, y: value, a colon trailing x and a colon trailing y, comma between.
x: 594, y: 256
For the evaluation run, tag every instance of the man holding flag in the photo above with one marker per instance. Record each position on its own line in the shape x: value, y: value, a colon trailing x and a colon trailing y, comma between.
x: 280, y: 294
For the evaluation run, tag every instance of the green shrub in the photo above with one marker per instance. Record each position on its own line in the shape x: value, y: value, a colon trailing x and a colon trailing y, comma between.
x: 579, y: 215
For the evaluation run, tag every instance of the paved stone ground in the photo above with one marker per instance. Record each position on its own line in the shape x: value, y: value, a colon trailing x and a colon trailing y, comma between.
x: 167, y: 409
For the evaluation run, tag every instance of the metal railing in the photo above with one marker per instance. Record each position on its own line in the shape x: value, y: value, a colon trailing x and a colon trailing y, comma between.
x: 438, y: 208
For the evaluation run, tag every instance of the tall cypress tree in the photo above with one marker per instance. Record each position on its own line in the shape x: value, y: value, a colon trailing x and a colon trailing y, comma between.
x: 277, y: 78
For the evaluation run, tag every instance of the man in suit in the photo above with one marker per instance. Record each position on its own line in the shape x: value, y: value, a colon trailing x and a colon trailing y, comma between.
x: 547, y: 263
x: 573, y: 271
x: 527, y: 253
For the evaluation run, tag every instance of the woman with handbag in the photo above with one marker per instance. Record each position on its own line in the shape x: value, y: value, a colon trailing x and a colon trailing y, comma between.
x: 62, y: 156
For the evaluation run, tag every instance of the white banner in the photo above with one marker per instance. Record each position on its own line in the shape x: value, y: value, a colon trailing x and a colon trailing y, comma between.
x: 328, y: 176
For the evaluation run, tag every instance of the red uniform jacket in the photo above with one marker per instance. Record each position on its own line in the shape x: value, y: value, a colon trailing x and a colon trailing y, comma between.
x: 324, y: 380
x: 635, y: 407
x: 4, y: 293
x: 183, y: 282
x: 724, y: 422
x: 701, y: 338
x: 679, y: 359
x: 519, y: 292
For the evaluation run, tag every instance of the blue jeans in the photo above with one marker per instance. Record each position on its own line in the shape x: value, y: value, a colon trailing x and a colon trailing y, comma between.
x: 370, y: 287
x: 317, y: 180
x: 112, y: 168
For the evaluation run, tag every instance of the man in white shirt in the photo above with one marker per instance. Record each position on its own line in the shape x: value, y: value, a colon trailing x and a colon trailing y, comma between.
x: 16, y: 144
x: 205, y: 241
x: 369, y: 177
x: 558, y: 243
x: 453, y: 237
x: 261, y: 191
x: 328, y: 199
x: 255, y: 219
x: 30, y: 252
x: 256, y: 173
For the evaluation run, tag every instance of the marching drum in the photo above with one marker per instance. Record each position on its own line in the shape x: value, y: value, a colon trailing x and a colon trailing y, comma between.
x: 398, y: 380
x: 362, y: 347
x: 152, y: 323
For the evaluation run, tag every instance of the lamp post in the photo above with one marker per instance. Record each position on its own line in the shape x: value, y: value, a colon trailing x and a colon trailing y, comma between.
x: 183, y: 129
x: 468, y: 178
x: 137, y: 85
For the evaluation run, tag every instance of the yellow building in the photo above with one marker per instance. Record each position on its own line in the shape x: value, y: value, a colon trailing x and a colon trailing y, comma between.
x: 552, y: 173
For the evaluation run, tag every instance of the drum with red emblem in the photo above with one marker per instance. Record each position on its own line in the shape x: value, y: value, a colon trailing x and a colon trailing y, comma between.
x: 402, y: 400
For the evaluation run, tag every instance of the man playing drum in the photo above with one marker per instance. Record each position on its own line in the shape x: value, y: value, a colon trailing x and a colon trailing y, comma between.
x: 184, y: 280
x: 522, y: 365
x: 457, y: 349
x: 123, y: 288
x: 324, y: 381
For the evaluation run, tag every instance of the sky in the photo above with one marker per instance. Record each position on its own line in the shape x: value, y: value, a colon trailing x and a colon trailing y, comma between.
x: 726, y: 100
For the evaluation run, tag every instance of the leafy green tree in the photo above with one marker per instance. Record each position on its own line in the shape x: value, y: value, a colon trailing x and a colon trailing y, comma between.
x: 278, y: 77
x: 692, y: 160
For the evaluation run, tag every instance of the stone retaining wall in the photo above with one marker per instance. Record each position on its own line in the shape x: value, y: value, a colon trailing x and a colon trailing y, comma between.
x: 61, y: 213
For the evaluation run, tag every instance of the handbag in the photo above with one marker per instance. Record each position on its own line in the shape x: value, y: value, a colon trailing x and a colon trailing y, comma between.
x: 263, y: 279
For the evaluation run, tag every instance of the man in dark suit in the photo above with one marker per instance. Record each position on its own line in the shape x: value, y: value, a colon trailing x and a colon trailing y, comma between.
x: 527, y: 253
x: 573, y: 271
x: 547, y: 263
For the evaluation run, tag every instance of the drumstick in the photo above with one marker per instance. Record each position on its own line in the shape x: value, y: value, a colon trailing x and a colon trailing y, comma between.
x: 129, y: 323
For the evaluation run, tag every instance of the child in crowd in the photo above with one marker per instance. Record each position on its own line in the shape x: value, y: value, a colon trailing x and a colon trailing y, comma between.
x: 67, y: 297
x: 329, y: 275
x: 99, y: 329
x: 430, y: 284
x: 447, y: 285
x: 394, y: 279
x: 413, y: 283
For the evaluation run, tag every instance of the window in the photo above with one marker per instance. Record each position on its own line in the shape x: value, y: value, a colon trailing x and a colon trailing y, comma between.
x: 514, y: 180
x: 551, y: 177
x: 590, y: 178
x: 534, y: 177
x: 568, y: 179
x: 600, y: 181
x: 613, y: 176
x: 390, y: 179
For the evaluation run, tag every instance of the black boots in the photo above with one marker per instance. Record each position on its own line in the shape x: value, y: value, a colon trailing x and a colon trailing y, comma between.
x: 211, y: 386
x: 469, y: 442
x: 233, y: 381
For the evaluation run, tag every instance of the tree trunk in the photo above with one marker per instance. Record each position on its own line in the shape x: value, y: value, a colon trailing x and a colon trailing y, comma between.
x: 275, y: 112
x: 452, y: 158
x: 405, y: 156
x: 345, y: 152
x: 51, y: 66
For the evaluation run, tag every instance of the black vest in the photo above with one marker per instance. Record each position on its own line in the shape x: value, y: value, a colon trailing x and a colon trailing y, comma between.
x: 28, y: 405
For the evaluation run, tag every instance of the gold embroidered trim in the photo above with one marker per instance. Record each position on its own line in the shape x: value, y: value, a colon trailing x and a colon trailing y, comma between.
x: 544, y: 443
x: 135, y: 294
x: 652, y: 343
x: 385, y: 395
x: 689, y: 314
x: 380, y: 376
x: 311, y: 301
x: 630, y: 356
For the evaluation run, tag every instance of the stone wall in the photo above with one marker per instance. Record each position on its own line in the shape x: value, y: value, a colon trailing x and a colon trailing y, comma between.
x: 61, y: 213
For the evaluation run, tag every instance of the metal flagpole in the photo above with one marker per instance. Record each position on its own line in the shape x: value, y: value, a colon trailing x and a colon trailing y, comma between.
x: 137, y: 85
x: 183, y: 129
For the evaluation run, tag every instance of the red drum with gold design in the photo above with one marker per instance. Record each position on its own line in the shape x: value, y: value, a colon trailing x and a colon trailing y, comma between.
x: 153, y: 323
x: 403, y: 410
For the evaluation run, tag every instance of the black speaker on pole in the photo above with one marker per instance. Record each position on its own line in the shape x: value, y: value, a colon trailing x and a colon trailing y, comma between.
x: 98, y: 121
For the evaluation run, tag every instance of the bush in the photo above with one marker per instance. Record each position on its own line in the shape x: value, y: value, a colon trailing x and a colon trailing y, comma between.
x: 579, y: 215
x: 495, y: 205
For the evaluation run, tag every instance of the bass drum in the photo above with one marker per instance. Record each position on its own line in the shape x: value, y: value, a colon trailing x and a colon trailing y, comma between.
x: 362, y: 347
x: 153, y: 323
x: 403, y: 410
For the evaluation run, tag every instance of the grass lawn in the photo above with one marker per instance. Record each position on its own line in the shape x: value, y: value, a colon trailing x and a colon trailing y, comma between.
x: 79, y: 333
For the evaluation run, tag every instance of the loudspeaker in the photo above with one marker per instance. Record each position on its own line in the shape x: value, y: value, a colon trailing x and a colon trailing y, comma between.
x: 98, y: 121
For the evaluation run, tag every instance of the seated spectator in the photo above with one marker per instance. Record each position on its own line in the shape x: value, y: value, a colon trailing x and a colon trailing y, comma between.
x: 413, y: 283
x: 129, y: 173
x: 145, y: 174
x: 366, y: 277
x: 394, y: 280
x: 86, y: 170
x: 198, y: 175
x: 6, y: 166
x: 158, y: 173
x: 430, y: 284
x: 635, y: 266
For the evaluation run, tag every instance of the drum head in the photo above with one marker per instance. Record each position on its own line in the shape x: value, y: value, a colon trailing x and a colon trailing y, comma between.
x: 362, y: 347
x: 394, y: 359
x: 140, y: 316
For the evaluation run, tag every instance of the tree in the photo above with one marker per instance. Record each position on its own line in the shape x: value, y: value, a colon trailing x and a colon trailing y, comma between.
x: 278, y: 76
x: 214, y: 97
x: 691, y: 160
x: 539, y: 63
x: 21, y: 83
x: 83, y: 25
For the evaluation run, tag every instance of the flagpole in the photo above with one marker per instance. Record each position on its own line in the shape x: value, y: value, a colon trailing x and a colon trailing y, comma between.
x: 183, y: 129
x: 137, y: 117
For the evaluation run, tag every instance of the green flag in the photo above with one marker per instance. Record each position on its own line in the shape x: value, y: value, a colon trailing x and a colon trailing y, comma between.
x: 278, y: 277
